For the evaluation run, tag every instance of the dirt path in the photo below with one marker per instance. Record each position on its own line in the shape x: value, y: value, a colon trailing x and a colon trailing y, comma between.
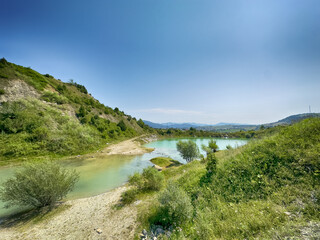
x: 80, y: 220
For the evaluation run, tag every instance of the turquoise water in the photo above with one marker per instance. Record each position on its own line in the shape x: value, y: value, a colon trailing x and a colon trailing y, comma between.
x: 98, y: 175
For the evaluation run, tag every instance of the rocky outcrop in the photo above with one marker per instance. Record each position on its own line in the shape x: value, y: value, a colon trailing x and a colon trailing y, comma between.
x: 17, y: 89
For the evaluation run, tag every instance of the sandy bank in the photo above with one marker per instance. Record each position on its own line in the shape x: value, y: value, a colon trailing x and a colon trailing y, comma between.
x: 80, y: 219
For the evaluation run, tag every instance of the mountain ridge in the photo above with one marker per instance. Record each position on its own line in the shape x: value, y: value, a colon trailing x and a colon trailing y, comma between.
x: 235, y: 126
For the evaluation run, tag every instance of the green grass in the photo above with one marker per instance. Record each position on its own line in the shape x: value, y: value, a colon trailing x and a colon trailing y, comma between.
x: 165, y: 162
x: 268, y: 189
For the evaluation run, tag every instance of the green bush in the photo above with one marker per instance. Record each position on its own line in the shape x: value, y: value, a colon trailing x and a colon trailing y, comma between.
x: 122, y: 125
x: 2, y: 92
x: 175, y: 206
x: 129, y: 196
x: 153, y: 179
x: 54, y: 98
x: 150, y: 180
x: 38, y: 185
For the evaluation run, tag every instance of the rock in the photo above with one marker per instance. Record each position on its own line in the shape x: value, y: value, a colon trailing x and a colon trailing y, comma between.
x: 137, y: 202
x: 144, y: 232
x: 159, y: 231
x: 287, y: 213
x: 98, y: 230
x: 157, y: 167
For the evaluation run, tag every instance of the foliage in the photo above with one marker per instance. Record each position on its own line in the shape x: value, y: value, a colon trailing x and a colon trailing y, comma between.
x: 129, y: 196
x: 253, y: 192
x: 38, y: 185
x: 53, y: 98
x: 211, y: 148
x: 29, y: 128
x: 80, y: 87
x: 122, y: 125
x: 150, y: 180
x: 175, y: 207
x: 188, y: 150
x: 211, y: 168
x: 2, y: 92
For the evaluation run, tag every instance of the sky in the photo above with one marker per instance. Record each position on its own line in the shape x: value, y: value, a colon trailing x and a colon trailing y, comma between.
x: 204, y: 61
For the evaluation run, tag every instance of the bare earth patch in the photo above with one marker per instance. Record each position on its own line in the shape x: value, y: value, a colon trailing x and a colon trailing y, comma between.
x: 83, y: 220
x: 129, y: 147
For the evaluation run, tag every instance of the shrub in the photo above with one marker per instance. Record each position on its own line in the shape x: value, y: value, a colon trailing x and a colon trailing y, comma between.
x: 54, y: 98
x: 153, y: 179
x: 2, y: 92
x: 150, y: 180
x: 38, y: 185
x: 175, y: 206
x: 122, y: 125
x: 129, y: 196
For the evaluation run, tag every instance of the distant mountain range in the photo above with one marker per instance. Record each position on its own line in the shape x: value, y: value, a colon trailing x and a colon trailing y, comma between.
x: 187, y: 125
x: 231, y: 126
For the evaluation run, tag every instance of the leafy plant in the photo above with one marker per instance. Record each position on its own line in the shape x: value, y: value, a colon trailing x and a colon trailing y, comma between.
x: 175, y: 206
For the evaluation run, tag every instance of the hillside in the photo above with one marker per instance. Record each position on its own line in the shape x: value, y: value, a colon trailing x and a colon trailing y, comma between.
x: 267, y: 189
x: 43, y: 116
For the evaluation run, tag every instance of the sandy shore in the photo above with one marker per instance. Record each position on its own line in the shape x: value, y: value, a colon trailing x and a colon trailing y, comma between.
x: 129, y: 147
x: 80, y: 218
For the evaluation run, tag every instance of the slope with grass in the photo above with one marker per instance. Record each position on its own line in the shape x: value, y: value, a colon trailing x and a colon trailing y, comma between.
x: 41, y: 116
x: 268, y: 189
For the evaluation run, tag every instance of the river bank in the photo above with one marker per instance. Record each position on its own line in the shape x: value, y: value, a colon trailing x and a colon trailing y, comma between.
x: 85, y: 218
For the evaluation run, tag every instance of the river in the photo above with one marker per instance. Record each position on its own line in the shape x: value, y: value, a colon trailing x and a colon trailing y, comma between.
x: 98, y: 175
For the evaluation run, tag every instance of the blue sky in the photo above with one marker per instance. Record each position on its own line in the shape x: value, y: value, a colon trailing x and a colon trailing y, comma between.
x: 248, y: 61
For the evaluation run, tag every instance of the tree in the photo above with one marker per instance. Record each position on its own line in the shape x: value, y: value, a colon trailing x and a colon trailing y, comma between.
x: 38, y: 185
x: 122, y: 125
x: 211, y: 148
x: 188, y: 150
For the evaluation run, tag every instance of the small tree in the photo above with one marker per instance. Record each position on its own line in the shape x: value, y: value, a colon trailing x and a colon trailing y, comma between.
x: 211, y: 148
x: 188, y: 150
x: 38, y: 185
x: 122, y: 125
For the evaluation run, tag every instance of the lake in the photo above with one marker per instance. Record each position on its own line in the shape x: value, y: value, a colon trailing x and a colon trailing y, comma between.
x: 99, y: 175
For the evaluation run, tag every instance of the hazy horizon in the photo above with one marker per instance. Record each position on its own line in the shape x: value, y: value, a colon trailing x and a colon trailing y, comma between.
x: 248, y: 61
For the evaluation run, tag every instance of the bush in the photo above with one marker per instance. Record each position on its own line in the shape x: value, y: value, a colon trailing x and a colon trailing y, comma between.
x: 122, y: 125
x: 175, y: 206
x: 2, y: 92
x: 129, y: 196
x: 38, y: 185
x: 54, y: 98
x: 150, y: 180
x: 153, y: 179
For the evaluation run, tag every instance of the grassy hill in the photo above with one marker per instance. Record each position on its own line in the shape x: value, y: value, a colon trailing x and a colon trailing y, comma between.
x: 43, y: 116
x: 267, y: 189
